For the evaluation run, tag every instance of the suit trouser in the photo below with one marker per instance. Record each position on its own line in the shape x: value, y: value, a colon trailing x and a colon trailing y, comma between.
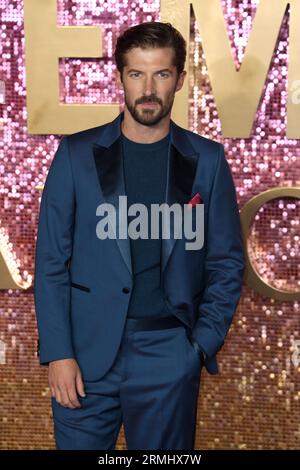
x: 152, y: 388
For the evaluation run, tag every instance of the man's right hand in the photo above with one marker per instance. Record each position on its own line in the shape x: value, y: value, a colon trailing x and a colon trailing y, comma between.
x: 65, y: 381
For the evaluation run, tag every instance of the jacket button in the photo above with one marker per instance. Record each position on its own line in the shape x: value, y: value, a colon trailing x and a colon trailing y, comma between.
x: 125, y: 290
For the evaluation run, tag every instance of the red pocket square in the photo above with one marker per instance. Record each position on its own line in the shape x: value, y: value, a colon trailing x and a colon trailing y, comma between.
x: 196, y: 199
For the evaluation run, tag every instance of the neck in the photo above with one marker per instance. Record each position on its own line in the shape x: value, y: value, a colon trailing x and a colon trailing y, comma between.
x: 139, y: 133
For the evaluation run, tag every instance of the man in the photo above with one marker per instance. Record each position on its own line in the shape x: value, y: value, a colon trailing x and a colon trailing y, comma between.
x: 126, y: 324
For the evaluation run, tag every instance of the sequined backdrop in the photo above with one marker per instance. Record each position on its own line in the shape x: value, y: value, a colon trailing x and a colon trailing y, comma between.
x: 254, y: 402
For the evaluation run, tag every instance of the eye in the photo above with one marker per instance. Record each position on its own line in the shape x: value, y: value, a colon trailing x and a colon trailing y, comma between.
x: 164, y: 74
x: 134, y: 74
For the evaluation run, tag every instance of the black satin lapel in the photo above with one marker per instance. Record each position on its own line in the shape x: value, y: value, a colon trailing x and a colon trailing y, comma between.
x: 109, y: 165
x: 181, y: 176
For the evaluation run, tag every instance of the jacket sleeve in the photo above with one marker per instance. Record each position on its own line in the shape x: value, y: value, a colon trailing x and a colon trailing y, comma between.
x: 224, y: 262
x: 53, y: 252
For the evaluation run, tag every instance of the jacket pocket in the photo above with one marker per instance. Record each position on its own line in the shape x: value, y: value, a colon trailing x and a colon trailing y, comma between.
x: 81, y: 287
x: 195, y: 347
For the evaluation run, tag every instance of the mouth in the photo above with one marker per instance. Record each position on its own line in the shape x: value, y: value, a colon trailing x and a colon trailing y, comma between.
x: 149, y: 104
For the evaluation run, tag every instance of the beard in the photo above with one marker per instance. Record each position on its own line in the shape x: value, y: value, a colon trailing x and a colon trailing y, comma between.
x: 148, y: 116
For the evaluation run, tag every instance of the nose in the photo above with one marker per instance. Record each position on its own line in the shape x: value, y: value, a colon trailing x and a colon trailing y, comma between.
x: 149, y: 86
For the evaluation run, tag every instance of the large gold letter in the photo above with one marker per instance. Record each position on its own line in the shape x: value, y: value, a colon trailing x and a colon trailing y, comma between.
x: 237, y: 93
x: 45, y: 42
x: 252, y: 277
x: 10, y: 275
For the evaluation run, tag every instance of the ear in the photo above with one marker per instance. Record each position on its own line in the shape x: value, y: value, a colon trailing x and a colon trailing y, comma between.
x: 119, y: 78
x: 180, y: 80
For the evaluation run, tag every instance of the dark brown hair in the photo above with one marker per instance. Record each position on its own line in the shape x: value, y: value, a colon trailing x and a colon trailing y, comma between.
x: 151, y: 35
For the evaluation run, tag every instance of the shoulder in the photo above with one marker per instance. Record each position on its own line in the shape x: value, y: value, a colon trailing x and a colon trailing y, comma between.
x: 203, y: 142
x: 87, y: 135
x: 199, y: 142
x: 208, y: 152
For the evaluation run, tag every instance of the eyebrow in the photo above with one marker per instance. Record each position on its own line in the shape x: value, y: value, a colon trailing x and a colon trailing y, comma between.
x: 158, y: 71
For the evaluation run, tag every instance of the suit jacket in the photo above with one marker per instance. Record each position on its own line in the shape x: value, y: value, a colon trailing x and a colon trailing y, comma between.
x: 82, y: 284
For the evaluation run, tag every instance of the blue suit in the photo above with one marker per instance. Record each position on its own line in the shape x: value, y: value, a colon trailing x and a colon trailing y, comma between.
x: 83, y: 284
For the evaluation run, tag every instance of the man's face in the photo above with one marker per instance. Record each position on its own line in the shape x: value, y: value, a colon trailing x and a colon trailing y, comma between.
x: 150, y: 81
